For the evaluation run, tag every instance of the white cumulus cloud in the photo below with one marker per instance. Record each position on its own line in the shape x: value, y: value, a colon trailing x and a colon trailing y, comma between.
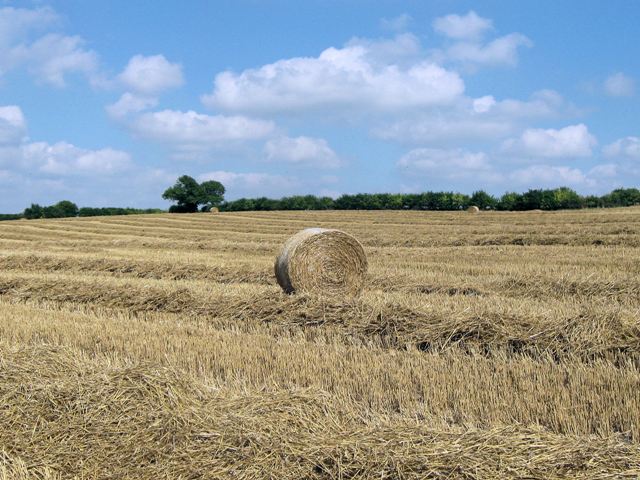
x: 302, y: 150
x: 469, y: 26
x: 63, y: 158
x: 145, y: 78
x: 13, y: 126
x: 444, y: 163
x: 466, y: 45
x: 501, y: 51
x: 17, y: 23
x: 619, y: 85
x: 536, y: 176
x: 605, y: 170
x: 628, y: 147
x: 403, y: 50
x: 483, y: 118
x: 443, y: 127
x: 48, y: 56
x: 151, y: 75
x: 483, y: 104
x: 543, y: 103
x: 190, y: 126
x: 568, y: 142
x: 130, y: 103
x: 349, y: 77
x: 192, y: 131
x: 53, y: 56
x: 465, y: 169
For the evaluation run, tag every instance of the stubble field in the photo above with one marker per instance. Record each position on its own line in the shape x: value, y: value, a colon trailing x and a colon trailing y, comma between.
x: 498, y: 345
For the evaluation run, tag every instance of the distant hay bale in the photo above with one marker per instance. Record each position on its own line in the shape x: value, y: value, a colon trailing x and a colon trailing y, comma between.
x: 214, y: 210
x: 319, y: 260
x: 473, y: 209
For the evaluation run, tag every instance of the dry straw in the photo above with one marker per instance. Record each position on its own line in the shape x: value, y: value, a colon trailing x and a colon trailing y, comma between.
x: 473, y: 209
x: 324, y: 261
x: 214, y: 210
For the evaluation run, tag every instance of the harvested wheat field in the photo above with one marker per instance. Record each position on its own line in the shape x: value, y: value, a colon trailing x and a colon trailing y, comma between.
x: 499, y: 345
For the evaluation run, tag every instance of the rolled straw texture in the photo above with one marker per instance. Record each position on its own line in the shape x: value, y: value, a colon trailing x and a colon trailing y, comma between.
x: 323, y: 261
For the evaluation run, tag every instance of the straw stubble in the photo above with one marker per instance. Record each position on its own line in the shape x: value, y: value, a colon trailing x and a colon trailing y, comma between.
x: 160, y: 346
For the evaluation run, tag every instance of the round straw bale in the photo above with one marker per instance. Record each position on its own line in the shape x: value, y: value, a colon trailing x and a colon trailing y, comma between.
x: 322, y: 261
x: 214, y: 209
x: 473, y: 209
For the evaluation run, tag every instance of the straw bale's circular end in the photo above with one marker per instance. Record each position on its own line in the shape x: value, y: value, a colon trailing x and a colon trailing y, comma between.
x: 324, y: 261
x: 214, y: 209
x: 473, y: 209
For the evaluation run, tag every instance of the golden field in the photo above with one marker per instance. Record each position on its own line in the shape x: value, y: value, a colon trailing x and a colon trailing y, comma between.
x: 498, y: 345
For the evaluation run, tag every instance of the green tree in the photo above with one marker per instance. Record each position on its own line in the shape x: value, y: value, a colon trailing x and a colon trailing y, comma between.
x: 34, y: 211
x: 265, y: 204
x: 325, y: 203
x: 509, y: 201
x: 65, y: 208
x: 62, y: 209
x: 211, y: 194
x: 533, y: 199
x: 188, y: 194
x: 483, y: 200
x: 564, y: 197
x: 185, y: 192
x: 593, y: 201
x: 622, y: 197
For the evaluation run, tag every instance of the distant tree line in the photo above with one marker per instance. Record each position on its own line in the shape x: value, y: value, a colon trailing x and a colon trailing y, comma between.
x: 65, y: 208
x: 212, y: 194
x: 10, y: 216
x: 190, y: 196
x: 105, y: 211
x: 549, y: 199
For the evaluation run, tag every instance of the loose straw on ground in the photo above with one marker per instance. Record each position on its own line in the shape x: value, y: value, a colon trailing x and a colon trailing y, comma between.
x: 323, y: 261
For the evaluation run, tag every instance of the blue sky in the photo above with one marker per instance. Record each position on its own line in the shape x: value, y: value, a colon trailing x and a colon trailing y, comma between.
x: 106, y: 103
